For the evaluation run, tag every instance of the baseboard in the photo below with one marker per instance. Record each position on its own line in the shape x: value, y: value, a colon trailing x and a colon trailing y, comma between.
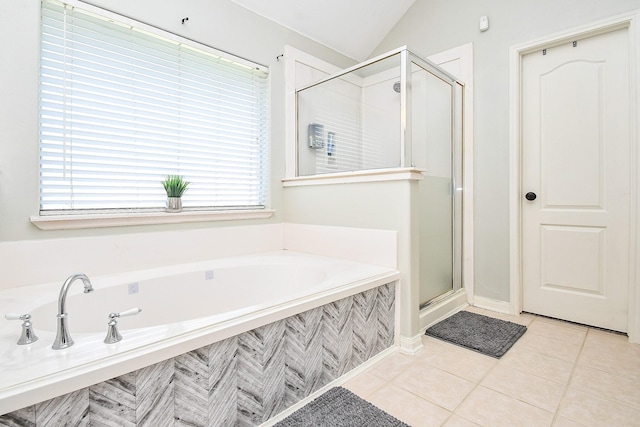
x: 411, y: 345
x: 492, y: 304
x: 443, y: 309
x: 437, y: 312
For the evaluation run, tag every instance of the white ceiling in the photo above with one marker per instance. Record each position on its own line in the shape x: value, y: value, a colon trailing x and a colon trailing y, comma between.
x: 351, y: 27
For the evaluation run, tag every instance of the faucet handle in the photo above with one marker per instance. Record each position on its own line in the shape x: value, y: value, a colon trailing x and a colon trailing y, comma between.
x: 27, y: 336
x: 13, y: 316
x: 130, y: 312
x: 113, y: 336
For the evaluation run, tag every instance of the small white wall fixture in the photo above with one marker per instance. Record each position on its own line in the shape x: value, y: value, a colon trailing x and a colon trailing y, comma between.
x: 630, y: 21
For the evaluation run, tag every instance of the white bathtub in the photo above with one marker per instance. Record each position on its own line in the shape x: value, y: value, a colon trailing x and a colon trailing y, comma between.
x: 184, y: 307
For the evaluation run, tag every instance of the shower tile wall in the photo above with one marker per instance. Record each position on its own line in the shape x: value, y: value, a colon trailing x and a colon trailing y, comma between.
x: 241, y: 381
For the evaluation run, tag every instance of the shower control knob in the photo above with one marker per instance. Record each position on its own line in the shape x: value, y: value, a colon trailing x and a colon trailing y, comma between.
x: 530, y: 196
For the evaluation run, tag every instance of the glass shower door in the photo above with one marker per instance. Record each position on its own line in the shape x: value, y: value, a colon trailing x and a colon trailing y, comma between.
x: 437, y: 148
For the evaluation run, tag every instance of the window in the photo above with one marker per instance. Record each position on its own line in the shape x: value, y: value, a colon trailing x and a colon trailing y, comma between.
x: 123, y: 104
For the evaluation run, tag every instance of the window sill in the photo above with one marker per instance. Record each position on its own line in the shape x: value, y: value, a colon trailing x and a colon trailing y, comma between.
x: 373, y: 175
x: 71, y: 222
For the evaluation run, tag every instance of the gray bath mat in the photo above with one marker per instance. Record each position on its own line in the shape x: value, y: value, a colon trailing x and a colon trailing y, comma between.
x: 483, y: 334
x: 339, y: 407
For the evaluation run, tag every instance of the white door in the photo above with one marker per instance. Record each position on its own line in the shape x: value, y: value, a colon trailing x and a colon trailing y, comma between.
x: 575, y: 159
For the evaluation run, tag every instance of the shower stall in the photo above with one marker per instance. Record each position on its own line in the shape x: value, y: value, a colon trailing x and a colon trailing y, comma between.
x: 396, y: 111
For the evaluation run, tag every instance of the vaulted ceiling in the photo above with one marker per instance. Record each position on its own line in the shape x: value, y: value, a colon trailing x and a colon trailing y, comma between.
x: 351, y: 27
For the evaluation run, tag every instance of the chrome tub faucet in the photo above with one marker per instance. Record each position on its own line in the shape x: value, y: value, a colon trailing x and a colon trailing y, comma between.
x: 63, y: 339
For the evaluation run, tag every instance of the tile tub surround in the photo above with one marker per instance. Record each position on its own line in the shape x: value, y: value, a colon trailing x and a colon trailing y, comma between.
x: 243, y: 380
x: 120, y: 253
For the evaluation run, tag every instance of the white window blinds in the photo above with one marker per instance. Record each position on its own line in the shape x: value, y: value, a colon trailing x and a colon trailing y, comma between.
x: 122, y: 107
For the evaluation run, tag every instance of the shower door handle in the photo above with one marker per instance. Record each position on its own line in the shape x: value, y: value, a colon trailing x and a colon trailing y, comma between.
x: 530, y: 196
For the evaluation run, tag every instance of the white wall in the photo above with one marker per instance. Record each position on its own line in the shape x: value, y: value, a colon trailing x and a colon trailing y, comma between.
x: 220, y: 23
x: 364, y: 115
x: 432, y: 26
x: 381, y: 120
x: 33, y: 262
x: 336, y: 105
x: 130, y: 253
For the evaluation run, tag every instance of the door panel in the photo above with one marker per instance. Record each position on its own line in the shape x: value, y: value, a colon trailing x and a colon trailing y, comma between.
x: 573, y: 257
x: 571, y: 135
x: 575, y: 157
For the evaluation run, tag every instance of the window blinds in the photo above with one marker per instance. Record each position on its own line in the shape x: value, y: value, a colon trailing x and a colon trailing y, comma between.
x: 122, y: 107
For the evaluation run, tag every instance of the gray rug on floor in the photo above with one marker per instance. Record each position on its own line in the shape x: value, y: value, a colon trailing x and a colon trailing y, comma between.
x: 338, y: 407
x: 483, y: 334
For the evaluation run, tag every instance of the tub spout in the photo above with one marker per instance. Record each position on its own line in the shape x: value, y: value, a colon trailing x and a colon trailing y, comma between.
x: 63, y: 338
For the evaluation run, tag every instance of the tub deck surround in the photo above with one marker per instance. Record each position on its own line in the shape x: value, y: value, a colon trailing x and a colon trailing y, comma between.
x: 34, y: 262
x: 243, y: 380
x: 35, y: 372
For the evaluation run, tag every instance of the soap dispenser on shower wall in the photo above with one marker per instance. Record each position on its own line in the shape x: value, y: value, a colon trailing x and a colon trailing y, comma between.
x: 316, y: 135
x: 331, y: 144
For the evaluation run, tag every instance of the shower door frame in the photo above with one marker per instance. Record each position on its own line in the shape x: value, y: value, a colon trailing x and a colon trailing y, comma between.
x: 457, y: 168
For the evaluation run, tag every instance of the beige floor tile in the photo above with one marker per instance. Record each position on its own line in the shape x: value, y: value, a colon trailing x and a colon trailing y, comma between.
x: 490, y: 408
x: 522, y: 319
x: 606, y: 385
x: 476, y: 310
x: 539, y: 392
x: 573, y: 334
x: 392, y: 365
x: 408, y: 407
x: 457, y: 421
x: 437, y: 386
x: 595, y: 411
x: 431, y: 343
x: 553, y: 347
x: 565, y: 422
x: 610, y: 338
x: 558, y: 374
x: 538, y: 364
x: 611, y: 353
x: 364, y: 384
x: 458, y: 361
x: 563, y: 323
x: 434, y: 346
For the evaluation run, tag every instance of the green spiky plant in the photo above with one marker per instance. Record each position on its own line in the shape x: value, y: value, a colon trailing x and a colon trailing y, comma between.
x: 175, y: 185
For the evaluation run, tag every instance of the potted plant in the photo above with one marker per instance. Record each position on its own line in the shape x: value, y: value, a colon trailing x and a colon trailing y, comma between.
x: 175, y: 186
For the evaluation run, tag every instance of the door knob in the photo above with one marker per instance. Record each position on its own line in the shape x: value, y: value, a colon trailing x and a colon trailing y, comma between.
x: 530, y: 196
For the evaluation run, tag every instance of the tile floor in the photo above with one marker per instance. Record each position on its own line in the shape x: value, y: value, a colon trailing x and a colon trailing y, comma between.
x: 558, y: 374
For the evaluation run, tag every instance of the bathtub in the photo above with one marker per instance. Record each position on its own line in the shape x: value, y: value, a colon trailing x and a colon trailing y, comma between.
x: 184, y: 307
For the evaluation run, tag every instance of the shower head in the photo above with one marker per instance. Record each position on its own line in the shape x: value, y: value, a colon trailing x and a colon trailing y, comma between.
x: 396, y: 86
